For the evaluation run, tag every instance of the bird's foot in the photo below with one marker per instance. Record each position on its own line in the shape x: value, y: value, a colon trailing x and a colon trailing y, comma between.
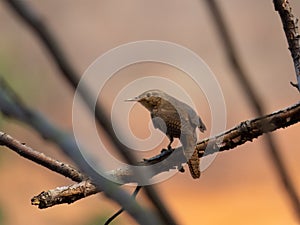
x: 163, y: 151
x: 170, y: 147
x: 181, y: 169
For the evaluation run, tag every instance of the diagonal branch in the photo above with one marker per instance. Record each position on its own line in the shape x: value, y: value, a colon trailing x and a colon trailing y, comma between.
x: 40, y: 158
x: 230, y: 139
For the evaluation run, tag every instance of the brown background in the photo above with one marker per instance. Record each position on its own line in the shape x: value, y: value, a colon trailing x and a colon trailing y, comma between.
x: 240, y: 187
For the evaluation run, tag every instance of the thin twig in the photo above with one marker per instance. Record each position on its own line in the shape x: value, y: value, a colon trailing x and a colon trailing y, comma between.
x: 290, y: 27
x: 230, y: 139
x: 255, y: 101
x: 110, y: 219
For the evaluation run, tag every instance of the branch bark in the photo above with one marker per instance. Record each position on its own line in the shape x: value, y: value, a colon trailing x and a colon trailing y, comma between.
x: 290, y: 26
x: 40, y: 158
x: 66, y: 194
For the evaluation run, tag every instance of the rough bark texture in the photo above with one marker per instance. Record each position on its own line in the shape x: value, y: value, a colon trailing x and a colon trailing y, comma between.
x: 290, y: 26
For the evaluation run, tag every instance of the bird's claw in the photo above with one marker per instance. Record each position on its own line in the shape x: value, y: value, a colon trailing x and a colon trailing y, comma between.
x: 169, y: 147
x: 163, y: 151
x: 181, y: 169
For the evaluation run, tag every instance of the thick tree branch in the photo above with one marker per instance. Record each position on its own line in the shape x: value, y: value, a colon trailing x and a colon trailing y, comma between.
x: 290, y: 26
x: 66, y: 194
x: 230, y: 139
x: 251, y: 129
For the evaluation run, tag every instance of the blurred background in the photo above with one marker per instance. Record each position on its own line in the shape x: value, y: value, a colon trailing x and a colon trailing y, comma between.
x: 240, y: 187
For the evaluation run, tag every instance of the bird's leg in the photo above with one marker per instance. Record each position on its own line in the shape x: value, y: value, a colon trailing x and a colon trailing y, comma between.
x: 181, y: 169
x: 169, y: 145
x: 171, y: 141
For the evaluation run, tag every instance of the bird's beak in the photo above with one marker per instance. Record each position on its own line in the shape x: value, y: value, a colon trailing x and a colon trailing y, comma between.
x: 132, y: 99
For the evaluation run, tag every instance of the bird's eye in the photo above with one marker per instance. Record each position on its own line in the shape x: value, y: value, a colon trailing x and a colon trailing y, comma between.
x: 148, y: 95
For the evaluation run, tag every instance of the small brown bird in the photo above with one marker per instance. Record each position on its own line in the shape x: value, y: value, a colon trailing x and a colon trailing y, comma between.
x: 177, y: 120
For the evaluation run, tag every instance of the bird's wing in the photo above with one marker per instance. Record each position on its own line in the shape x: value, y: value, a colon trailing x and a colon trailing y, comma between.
x: 158, y: 123
x: 196, y: 120
x: 188, y: 113
x: 188, y: 139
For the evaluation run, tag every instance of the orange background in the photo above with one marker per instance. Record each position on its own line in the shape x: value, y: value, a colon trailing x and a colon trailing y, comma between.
x: 240, y: 187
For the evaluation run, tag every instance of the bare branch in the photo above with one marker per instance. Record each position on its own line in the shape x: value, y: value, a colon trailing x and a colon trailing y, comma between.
x: 251, y: 129
x: 290, y: 26
x: 66, y: 194
x: 23, y: 150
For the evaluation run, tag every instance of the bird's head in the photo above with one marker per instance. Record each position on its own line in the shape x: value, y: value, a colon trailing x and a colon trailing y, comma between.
x: 149, y: 99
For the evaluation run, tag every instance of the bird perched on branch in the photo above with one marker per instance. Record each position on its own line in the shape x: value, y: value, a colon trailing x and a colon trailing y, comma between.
x: 177, y: 120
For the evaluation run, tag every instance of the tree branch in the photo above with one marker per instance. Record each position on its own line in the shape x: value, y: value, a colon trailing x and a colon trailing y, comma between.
x: 246, y: 131
x: 66, y: 194
x: 290, y: 27
x: 23, y: 150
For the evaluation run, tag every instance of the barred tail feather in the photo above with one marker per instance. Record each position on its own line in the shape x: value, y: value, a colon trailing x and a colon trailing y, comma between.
x: 193, y: 164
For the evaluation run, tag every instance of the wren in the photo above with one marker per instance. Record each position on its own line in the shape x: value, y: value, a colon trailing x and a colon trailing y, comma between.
x: 177, y: 120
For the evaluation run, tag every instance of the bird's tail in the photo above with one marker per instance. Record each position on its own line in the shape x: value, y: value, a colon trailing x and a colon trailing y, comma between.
x: 189, y: 142
x: 193, y: 164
